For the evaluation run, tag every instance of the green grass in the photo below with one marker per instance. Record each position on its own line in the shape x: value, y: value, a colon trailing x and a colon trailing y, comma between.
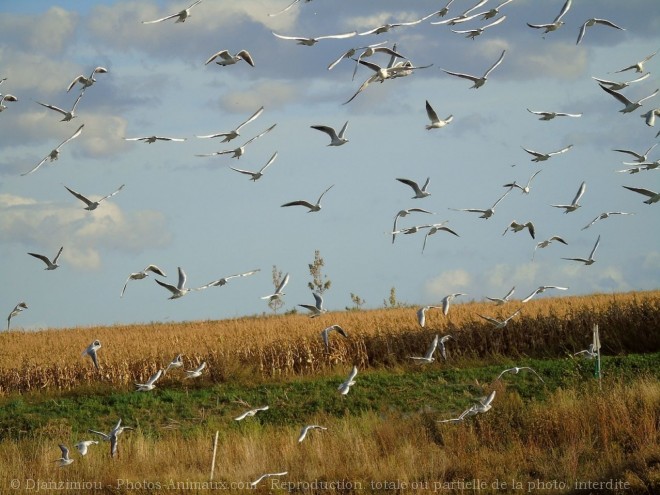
x: 188, y: 406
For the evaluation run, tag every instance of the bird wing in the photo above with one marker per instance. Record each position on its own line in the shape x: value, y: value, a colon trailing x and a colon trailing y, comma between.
x: 338, y: 36
x: 499, y: 61
x: 323, y: 193
x: 111, y: 194
x: 223, y: 54
x: 530, y: 296
x: 583, y: 30
x: 53, y: 107
x: 431, y: 113
x: 73, y: 136
x: 79, y: 196
x: 92, y: 354
x: 154, y: 377
x: 283, y: 283
x: 58, y: 255
x: 362, y: 87
x: 412, y: 184
x: 641, y: 190
x: 156, y: 270
x: 343, y: 130
x: 580, y: 192
x: 161, y: 19
x: 37, y: 167
x: 251, y: 118
x: 464, y: 76
x: 328, y: 130
x: 618, y: 96
x: 532, y: 152
x: 301, y: 202
x: 564, y: 9
x: 289, y: 37
x: 563, y: 150
x: 285, y: 8
x: 593, y: 251
x: 432, y: 347
x: 169, y: 287
x: 319, y: 300
x: 259, y: 135
x: 42, y: 258
x: 492, y: 320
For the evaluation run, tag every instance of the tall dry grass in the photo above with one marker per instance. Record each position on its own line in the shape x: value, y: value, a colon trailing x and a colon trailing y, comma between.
x: 291, y: 345
x: 583, y: 435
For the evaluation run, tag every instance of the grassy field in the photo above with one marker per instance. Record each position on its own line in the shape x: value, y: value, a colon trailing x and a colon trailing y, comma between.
x: 567, y: 434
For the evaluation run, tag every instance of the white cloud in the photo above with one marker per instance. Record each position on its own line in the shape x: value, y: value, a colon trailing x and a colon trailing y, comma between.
x: 47, y: 33
x: 446, y: 283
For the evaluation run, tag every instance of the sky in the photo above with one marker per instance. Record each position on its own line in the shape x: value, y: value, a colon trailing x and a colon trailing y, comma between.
x: 182, y: 210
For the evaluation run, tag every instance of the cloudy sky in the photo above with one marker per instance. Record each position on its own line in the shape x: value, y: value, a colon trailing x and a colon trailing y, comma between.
x: 181, y: 210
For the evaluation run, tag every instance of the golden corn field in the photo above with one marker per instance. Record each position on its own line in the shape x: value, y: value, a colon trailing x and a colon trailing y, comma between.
x: 273, y: 346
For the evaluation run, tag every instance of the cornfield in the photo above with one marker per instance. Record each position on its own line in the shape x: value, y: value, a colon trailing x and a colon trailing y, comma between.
x: 291, y: 345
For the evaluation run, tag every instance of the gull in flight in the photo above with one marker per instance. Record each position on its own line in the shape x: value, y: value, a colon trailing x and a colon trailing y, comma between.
x: 484, y: 213
x: 307, y: 204
x: 516, y: 369
x: 84, y: 445
x: 4, y: 98
x: 317, y: 309
x: 142, y: 274
x: 440, y: 13
x: 287, y: 8
x: 557, y: 23
x: 227, y: 58
x: 17, y: 309
x: 465, y: 16
x: 620, y: 85
x: 428, y: 358
x: 313, y: 41
x: 630, y: 106
x: 350, y: 53
x: 222, y: 281
x: 50, y: 265
x: 637, y: 66
x: 240, y: 151
x: 68, y: 114
x: 441, y: 345
x: 575, y: 203
x: 589, y: 353
x: 404, y: 213
x: 151, y: 383
x: 383, y: 73
x: 335, y: 139
x: 250, y: 413
x: 86, y: 82
x: 153, y: 139
x: 541, y: 290
x: 605, y: 215
x: 177, y: 362
x: 494, y: 11
x: 278, y: 292
x: 434, y: 229
x: 517, y: 227
x: 179, y: 290
x: 468, y: 412
x: 473, y: 33
x: 255, y: 176
x: 55, y: 154
x: 196, y: 372
x: 384, y: 28
x: 524, y: 189
x: 649, y: 117
x: 590, y: 260
x: 447, y: 299
x: 478, y: 81
x: 502, y: 300
x: 639, y: 157
x: 91, y: 351
x: 92, y: 205
x: 547, y: 242
x: 541, y: 157
x: 325, y: 335
x: 436, y: 122
x: 181, y: 16
x: 228, y: 136
x: 419, y: 193
x: 552, y: 115
x: 345, y: 387
x: 371, y: 50
x: 593, y: 21
x: 421, y: 314
x: 306, y: 429
x: 484, y: 404
x: 254, y: 483
x: 499, y: 323
x: 65, y: 460
x: 653, y: 196
x: 112, y: 437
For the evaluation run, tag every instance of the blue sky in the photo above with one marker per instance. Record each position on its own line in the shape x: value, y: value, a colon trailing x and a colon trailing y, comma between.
x: 177, y: 209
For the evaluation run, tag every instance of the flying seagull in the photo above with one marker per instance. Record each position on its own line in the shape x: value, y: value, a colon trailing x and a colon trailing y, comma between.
x: 65, y: 460
x: 17, y: 309
x: 494, y: 11
x: 92, y: 205
x: 524, y: 189
x: 620, y: 85
x: 605, y: 215
x: 638, y: 66
x: 441, y: 345
x: 639, y: 157
x: 313, y: 41
x: 372, y: 50
x: 4, y: 98
x: 181, y: 16
x: 84, y: 445
x: 484, y: 213
x: 552, y: 115
x: 428, y: 358
x: 227, y: 58
x: 250, y: 413
x: 421, y: 314
x: 541, y: 157
x: 383, y: 73
x: 335, y: 139
x: 178, y: 290
x: 68, y: 114
x: 278, y: 292
x: 419, y: 193
x: 177, y: 362
x: 384, y: 28
x: 517, y: 227
x: 142, y: 274
x: 345, y: 387
x: 350, y: 53
x: 86, y: 82
x: 228, y: 136
x: 312, y: 207
x: 50, y: 265
x: 404, y: 213
x: 440, y: 13
x: 196, y: 372
x: 306, y: 429
x: 557, y: 23
x: 592, y: 22
x: 434, y: 229
x: 151, y: 383
x: 499, y: 323
x: 464, y: 17
x: 317, y: 308
x: 112, y: 436
x: 153, y: 139
x: 91, y: 352
x: 517, y: 369
x: 541, y: 290
x: 653, y: 196
x: 502, y: 300
x: 436, y: 122
x: 590, y: 260
x: 254, y: 483
x: 255, y: 176
x: 547, y: 242
x: 240, y: 151
x: 473, y: 33
x: 589, y: 353
x: 55, y: 154
x: 630, y: 106
x: 575, y: 203
x: 222, y: 281
x: 447, y: 299
x: 478, y: 81
x: 325, y: 335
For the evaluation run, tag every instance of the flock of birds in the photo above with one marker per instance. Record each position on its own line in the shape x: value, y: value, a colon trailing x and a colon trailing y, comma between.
x: 399, y: 66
